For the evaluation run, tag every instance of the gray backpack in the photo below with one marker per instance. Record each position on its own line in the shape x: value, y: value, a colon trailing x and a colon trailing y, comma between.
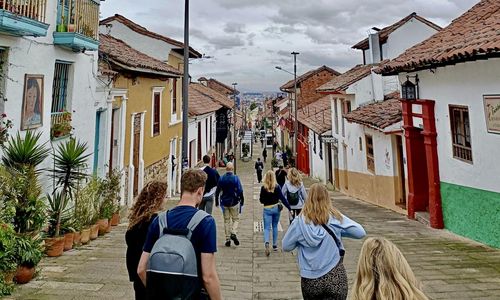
x: 172, y: 271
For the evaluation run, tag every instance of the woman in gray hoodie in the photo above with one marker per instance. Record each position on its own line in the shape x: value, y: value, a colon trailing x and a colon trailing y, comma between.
x: 317, y: 233
x: 295, y: 192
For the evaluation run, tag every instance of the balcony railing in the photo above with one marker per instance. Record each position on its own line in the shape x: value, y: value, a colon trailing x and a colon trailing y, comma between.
x: 80, y: 16
x: 60, y: 125
x: 33, y: 9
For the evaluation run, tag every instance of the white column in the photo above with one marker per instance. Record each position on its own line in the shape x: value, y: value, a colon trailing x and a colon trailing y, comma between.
x: 131, y: 169
x: 121, y: 144
x: 141, y: 153
x: 109, y: 122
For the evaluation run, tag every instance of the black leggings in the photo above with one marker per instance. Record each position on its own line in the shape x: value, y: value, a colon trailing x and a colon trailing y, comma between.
x: 140, y: 290
x: 295, y: 213
x: 331, y: 286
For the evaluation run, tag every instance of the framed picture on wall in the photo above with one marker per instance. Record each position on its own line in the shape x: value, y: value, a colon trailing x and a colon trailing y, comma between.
x: 492, y: 113
x: 32, y: 110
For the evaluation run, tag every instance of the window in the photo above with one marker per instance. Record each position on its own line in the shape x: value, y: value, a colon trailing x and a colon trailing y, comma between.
x: 360, y: 144
x: 320, y: 149
x: 174, y: 96
x: 336, y: 116
x: 460, y: 133
x: 210, y: 131
x: 156, y: 113
x: 199, y: 141
x: 314, y: 143
x: 346, y: 108
x: 207, y: 146
x: 60, y: 87
x: 370, y: 161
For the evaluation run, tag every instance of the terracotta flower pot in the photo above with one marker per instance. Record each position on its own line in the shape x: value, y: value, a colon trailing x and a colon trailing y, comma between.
x: 94, y: 232
x: 85, y: 236
x: 68, y: 241
x: 76, y: 239
x: 115, y: 220
x: 54, y: 246
x: 24, y: 274
x: 108, y: 229
x: 103, y: 224
x: 8, y: 277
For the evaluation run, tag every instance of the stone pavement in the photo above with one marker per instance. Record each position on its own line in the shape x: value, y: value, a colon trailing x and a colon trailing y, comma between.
x: 449, y: 267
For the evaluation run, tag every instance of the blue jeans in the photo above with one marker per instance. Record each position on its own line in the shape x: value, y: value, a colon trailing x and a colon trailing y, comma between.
x: 271, y: 218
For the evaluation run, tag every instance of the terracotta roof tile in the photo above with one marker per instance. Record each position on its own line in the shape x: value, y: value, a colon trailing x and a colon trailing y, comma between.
x: 386, y: 31
x: 104, y: 68
x: 214, y: 95
x: 379, y: 114
x: 343, y: 81
x: 219, y: 86
x: 119, y: 53
x: 290, y: 84
x: 200, y: 103
x: 317, y: 116
x: 142, y: 30
x: 473, y: 35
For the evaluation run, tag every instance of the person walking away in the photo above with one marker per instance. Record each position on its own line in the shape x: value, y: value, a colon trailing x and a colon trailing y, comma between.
x: 182, y: 220
x: 281, y: 176
x: 231, y: 201
x: 275, y: 146
x: 146, y: 207
x: 259, y: 167
x: 270, y: 197
x: 213, y: 176
x: 262, y: 141
x: 284, y: 157
x: 317, y: 234
x: 295, y: 192
x: 384, y: 273
x: 264, y: 154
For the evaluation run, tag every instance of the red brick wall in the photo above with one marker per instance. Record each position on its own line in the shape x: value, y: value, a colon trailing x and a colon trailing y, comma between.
x: 308, y: 87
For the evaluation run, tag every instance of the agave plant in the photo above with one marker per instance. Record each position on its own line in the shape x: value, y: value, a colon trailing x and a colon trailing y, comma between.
x: 24, y: 152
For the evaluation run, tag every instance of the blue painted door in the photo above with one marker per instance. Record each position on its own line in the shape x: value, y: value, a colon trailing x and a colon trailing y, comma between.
x: 96, y: 140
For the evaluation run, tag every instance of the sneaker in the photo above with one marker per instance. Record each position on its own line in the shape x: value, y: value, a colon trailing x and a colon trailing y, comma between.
x: 235, y: 239
x: 228, y: 243
x: 275, y: 248
x: 267, y: 249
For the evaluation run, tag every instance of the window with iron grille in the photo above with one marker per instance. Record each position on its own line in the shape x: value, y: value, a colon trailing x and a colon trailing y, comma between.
x: 370, y: 159
x: 174, y: 96
x: 156, y: 112
x: 60, y: 88
x: 460, y: 133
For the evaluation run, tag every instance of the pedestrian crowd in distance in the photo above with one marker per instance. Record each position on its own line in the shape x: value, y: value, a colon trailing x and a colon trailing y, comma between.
x: 171, y: 254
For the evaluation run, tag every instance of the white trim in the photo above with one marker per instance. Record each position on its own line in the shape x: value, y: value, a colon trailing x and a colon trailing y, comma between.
x: 154, y: 90
x: 173, y: 116
x: 131, y: 158
x: 175, y: 123
x: 121, y: 162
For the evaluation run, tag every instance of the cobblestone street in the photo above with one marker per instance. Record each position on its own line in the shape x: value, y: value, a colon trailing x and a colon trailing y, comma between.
x: 449, y: 267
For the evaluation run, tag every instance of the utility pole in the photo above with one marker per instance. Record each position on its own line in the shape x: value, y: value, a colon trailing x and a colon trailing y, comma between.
x: 234, y: 127
x: 185, y: 89
x: 295, y: 124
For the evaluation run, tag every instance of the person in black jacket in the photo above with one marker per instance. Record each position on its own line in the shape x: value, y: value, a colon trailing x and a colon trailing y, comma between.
x: 259, y: 167
x: 147, y: 205
x: 270, y: 197
x: 281, y: 176
x: 213, y: 176
x: 264, y: 154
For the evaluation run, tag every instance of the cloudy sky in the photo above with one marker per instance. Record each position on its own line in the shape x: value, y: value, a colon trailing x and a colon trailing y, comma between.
x: 248, y: 38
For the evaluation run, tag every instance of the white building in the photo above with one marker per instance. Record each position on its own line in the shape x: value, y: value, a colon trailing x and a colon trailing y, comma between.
x: 461, y: 163
x: 368, y: 152
x: 49, y: 64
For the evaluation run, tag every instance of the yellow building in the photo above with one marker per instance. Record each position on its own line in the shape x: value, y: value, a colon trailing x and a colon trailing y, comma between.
x: 146, y: 118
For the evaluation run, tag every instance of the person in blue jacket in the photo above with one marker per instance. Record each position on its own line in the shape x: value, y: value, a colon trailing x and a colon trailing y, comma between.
x: 317, y: 234
x: 231, y: 201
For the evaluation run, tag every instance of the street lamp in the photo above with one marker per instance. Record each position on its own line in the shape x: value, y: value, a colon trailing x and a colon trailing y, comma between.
x: 295, y: 123
x: 234, y: 126
x: 185, y: 89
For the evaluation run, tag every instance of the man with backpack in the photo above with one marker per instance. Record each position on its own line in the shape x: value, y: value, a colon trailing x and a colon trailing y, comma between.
x: 259, y: 166
x: 231, y: 201
x: 178, y: 258
x: 210, y: 186
x: 281, y: 176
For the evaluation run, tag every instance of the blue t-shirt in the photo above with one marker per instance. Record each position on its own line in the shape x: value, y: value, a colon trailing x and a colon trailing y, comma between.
x: 204, y: 237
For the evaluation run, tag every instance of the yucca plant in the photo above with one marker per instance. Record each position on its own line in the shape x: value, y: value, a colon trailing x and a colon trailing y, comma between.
x: 24, y: 152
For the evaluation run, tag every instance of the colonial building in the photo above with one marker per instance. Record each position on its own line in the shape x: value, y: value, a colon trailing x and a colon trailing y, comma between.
x: 146, y: 103
x: 452, y: 124
x: 368, y: 152
x: 48, y: 57
x: 167, y: 51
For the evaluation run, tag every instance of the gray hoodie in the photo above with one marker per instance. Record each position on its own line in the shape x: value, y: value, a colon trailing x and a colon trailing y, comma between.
x: 289, y: 187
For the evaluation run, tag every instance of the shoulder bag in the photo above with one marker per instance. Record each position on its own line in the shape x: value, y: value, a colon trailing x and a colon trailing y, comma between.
x: 337, y: 242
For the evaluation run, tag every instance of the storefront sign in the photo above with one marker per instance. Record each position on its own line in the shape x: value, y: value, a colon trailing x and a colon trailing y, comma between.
x: 329, y: 139
x: 492, y: 113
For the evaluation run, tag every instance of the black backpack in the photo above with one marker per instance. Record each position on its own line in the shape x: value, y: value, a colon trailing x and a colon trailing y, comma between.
x: 172, y: 271
x: 293, y: 198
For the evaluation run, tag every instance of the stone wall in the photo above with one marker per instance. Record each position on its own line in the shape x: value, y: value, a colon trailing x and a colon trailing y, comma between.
x: 156, y: 171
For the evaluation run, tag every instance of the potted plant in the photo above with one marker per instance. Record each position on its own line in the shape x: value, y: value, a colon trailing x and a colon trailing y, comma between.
x: 68, y: 232
x: 111, y: 193
x: 84, y: 207
x: 7, y: 259
x: 63, y: 127
x: 54, y: 242
x: 5, y: 125
x: 28, y: 254
x: 62, y: 26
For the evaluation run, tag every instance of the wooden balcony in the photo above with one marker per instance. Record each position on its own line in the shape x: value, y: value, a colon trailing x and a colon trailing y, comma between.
x: 78, y: 25
x: 23, y: 17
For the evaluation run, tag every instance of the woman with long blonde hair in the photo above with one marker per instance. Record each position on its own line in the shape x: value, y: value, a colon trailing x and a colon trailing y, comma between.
x: 383, y: 273
x: 295, y: 192
x: 147, y: 205
x: 317, y: 233
x: 270, y: 197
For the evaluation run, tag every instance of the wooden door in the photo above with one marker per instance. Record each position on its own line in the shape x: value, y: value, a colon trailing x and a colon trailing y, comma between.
x: 136, y: 151
x: 112, y: 141
x: 329, y: 161
x: 401, y: 170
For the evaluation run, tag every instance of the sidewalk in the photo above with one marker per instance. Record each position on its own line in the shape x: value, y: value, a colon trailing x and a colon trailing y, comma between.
x: 449, y: 267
